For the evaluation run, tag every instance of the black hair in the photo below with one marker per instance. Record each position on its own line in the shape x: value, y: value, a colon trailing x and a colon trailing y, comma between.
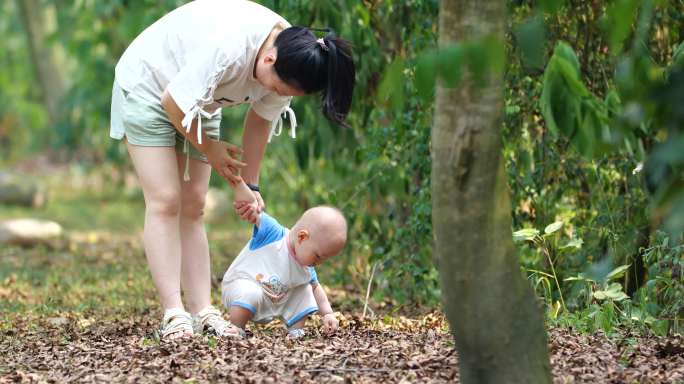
x: 313, y: 66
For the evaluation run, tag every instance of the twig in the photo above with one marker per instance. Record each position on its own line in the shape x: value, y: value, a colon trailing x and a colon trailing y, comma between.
x: 370, y: 282
x: 349, y: 370
x: 555, y: 277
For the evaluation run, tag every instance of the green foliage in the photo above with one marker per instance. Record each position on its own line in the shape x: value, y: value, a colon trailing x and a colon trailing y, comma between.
x: 530, y: 36
x: 662, y: 296
x: 569, y: 108
x: 378, y: 173
x: 20, y: 104
x: 478, y: 58
x: 635, y: 120
x: 618, y: 21
x: 542, y: 266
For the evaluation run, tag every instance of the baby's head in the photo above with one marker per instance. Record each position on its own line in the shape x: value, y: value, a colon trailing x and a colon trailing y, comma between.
x: 318, y: 235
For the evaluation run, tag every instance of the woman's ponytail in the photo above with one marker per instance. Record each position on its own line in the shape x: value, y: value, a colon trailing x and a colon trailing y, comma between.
x: 321, y: 65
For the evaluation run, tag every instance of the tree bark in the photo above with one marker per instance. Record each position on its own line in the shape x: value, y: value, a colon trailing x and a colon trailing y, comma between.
x: 494, y: 316
x: 48, y: 75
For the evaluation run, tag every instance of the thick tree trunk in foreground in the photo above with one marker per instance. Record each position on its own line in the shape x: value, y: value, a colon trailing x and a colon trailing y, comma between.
x: 48, y: 75
x: 495, y: 319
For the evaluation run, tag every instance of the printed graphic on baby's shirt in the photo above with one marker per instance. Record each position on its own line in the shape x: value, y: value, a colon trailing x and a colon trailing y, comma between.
x: 273, y: 287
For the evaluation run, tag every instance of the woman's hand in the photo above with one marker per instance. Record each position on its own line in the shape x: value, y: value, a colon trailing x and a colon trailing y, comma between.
x: 222, y: 158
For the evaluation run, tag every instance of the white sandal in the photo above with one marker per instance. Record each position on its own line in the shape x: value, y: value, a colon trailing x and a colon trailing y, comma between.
x: 176, y: 321
x: 295, y: 333
x: 209, y: 320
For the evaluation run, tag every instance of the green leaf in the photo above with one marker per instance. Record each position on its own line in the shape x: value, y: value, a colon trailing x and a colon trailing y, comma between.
x: 450, y: 63
x: 570, y: 109
x: 564, y: 51
x: 484, y: 57
x: 553, y: 227
x: 426, y: 71
x: 613, y: 292
x: 574, y: 243
x: 555, y: 309
x: 561, y: 95
x: 478, y: 63
x: 613, y: 102
x: 550, y: 6
x: 530, y: 37
x: 617, y: 272
x: 364, y: 15
x: 496, y: 53
x: 526, y: 234
x: 579, y: 277
x: 617, y: 22
x: 392, y: 85
x: 678, y: 55
x: 600, y: 295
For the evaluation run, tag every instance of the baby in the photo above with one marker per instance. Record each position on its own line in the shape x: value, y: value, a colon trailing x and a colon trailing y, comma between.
x: 274, y: 275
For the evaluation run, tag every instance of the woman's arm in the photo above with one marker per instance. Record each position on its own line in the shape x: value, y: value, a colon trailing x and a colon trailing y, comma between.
x: 176, y: 116
x: 216, y: 151
x: 254, y: 140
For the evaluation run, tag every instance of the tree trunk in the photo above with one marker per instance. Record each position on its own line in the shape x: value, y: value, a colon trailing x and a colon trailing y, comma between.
x: 48, y: 75
x: 495, y: 319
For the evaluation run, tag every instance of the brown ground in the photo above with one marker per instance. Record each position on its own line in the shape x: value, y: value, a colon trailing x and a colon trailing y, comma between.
x: 75, y: 348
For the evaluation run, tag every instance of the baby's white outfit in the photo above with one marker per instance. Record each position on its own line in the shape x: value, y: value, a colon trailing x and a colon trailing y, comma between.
x: 267, y: 280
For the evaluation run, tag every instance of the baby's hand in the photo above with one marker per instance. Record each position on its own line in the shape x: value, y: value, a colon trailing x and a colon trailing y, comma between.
x: 243, y: 207
x: 330, y: 323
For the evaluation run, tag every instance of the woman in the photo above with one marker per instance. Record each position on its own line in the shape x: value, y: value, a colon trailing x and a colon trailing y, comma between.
x: 170, y: 86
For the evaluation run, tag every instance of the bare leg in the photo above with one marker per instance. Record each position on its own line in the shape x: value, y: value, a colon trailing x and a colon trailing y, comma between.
x: 196, y: 267
x: 296, y: 331
x: 300, y: 324
x: 239, y: 316
x: 158, y: 174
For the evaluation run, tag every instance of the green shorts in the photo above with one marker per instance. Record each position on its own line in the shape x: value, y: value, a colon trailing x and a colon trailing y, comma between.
x: 146, y: 123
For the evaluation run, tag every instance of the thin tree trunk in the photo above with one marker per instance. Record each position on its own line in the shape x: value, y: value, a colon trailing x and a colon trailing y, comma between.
x: 48, y: 76
x: 495, y: 319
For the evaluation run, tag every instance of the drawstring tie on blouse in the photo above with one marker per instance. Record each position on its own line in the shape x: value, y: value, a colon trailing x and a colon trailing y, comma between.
x: 277, y: 125
x: 199, y: 113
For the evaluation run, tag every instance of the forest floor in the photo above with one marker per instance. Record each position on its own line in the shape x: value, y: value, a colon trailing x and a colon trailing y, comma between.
x: 85, y: 312
x: 83, y: 309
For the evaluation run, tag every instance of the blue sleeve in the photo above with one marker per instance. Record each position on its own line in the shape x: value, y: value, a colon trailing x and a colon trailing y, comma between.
x: 268, y: 231
x: 314, y: 276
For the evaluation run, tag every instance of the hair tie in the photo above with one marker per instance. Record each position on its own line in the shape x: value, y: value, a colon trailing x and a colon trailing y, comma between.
x: 321, y: 42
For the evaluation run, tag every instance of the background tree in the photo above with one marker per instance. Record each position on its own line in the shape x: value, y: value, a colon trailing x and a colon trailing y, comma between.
x: 38, y: 19
x: 493, y: 314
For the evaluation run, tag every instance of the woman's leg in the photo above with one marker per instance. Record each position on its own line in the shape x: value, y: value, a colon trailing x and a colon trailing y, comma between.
x: 158, y: 174
x: 196, y: 267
